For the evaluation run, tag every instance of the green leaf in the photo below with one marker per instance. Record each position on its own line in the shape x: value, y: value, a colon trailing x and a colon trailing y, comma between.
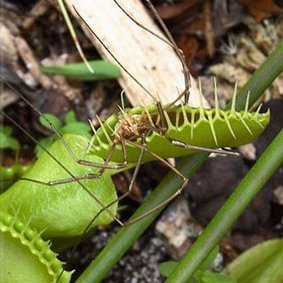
x: 63, y: 210
x: 70, y: 117
x: 73, y: 126
x: 213, y: 277
x: 25, y: 256
x: 8, y: 142
x: 208, y: 262
x: 103, y: 70
x: 45, y: 143
x: 78, y: 128
x: 165, y: 268
x: 6, y: 130
x: 52, y: 119
x: 260, y: 264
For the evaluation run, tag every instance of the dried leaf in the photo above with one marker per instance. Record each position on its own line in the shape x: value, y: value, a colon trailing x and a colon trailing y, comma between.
x: 261, y: 9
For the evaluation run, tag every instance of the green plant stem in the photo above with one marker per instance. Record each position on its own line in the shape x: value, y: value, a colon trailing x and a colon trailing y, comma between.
x: 126, y: 237
x: 262, y: 78
x: 266, y: 165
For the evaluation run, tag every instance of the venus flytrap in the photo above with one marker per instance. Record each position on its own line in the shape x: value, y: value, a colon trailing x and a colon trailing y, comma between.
x: 62, y: 210
x: 24, y: 256
x: 195, y: 129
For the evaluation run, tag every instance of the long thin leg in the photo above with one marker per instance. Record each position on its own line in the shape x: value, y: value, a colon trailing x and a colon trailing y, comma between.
x: 106, y: 164
x: 183, y: 177
x: 171, y: 41
x: 162, y: 204
x: 120, y: 165
x: 162, y: 131
x: 177, y: 50
x: 139, y: 161
x: 138, y: 164
x: 137, y: 168
x: 87, y: 176
x: 113, y: 56
x: 70, y: 180
x: 64, y: 168
x: 188, y: 146
x: 54, y: 129
x: 200, y: 148
x: 142, y: 26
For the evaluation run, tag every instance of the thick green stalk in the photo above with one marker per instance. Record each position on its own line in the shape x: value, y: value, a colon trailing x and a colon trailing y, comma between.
x: 271, y: 68
x: 266, y: 165
x: 126, y: 237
